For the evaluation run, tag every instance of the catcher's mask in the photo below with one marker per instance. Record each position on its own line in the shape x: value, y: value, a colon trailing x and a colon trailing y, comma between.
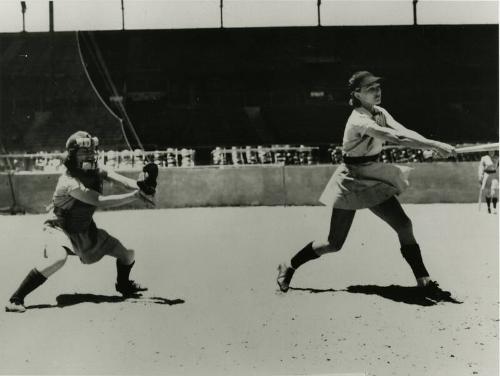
x: 82, y: 150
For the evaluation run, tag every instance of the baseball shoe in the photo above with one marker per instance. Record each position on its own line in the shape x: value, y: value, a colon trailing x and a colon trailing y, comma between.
x: 434, y: 292
x: 129, y: 288
x: 285, y: 274
x: 15, y: 307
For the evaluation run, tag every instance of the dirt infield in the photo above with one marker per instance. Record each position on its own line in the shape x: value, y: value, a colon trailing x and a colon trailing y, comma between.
x: 212, y: 307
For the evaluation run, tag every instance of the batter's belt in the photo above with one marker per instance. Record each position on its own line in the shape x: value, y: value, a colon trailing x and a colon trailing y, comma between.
x: 359, y: 160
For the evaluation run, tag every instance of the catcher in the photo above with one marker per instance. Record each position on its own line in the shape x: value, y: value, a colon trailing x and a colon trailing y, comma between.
x: 70, y: 228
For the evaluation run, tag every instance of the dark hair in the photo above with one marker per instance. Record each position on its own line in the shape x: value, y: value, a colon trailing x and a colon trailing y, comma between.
x: 353, y: 101
x: 71, y: 164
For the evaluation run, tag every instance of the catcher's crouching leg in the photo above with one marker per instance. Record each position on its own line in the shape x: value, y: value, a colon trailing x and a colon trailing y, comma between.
x: 124, y: 284
x: 33, y: 280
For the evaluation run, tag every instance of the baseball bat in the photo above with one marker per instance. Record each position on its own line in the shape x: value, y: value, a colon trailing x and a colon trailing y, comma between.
x: 477, y: 148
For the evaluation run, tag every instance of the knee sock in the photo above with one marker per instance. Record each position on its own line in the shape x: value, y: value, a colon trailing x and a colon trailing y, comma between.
x: 413, y: 257
x: 488, y: 201
x: 123, y: 272
x: 494, y: 200
x: 31, y: 282
x: 304, y: 255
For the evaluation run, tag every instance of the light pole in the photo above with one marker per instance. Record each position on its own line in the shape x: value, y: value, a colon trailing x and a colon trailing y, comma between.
x: 415, y: 12
x: 319, y: 12
x: 221, y: 14
x: 123, y: 16
x: 23, y: 11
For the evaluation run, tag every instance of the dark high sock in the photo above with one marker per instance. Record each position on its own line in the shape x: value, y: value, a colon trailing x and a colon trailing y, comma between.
x: 413, y: 257
x: 494, y: 200
x: 31, y: 282
x: 123, y: 272
x: 488, y: 201
x: 304, y: 255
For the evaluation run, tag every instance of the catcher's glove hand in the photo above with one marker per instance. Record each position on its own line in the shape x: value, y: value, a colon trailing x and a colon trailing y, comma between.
x: 147, y: 179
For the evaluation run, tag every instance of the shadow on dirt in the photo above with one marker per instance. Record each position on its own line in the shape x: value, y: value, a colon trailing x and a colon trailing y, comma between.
x: 67, y: 300
x: 401, y: 294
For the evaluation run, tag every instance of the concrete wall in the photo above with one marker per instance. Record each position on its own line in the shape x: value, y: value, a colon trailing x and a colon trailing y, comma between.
x: 257, y: 185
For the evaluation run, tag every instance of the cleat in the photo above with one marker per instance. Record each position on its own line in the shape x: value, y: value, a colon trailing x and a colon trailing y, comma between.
x: 434, y: 292
x: 285, y: 274
x: 130, y: 288
x: 15, y: 307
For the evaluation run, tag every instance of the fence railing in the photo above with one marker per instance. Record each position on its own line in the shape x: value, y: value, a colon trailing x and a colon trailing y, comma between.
x: 220, y: 156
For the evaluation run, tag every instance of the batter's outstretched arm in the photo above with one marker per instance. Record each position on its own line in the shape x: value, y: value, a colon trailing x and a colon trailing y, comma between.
x: 408, y: 138
x: 414, y: 136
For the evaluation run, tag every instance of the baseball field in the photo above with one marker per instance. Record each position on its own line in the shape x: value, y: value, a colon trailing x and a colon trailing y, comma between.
x: 212, y: 307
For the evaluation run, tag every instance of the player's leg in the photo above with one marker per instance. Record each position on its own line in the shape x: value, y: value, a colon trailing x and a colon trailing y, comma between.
x: 340, y: 224
x: 494, y: 193
x: 488, y: 185
x: 125, y: 260
x: 488, y: 201
x: 54, y: 257
x: 393, y: 214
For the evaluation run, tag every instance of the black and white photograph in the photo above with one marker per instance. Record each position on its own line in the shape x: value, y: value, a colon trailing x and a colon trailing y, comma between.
x: 249, y: 187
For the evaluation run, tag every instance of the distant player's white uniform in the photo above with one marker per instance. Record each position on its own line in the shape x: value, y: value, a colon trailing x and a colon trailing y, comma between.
x: 488, y: 177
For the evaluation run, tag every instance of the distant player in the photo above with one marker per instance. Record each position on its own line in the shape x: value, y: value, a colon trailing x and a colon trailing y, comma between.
x: 488, y: 179
x: 71, y: 230
x: 363, y: 182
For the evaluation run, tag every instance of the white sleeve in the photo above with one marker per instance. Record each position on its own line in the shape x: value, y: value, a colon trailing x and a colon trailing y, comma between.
x: 391, y: 122
x: 481, y: 169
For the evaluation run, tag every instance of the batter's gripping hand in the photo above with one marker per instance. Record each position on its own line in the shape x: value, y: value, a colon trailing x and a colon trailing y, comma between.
x: 147, y: 179
x: 444, y: 150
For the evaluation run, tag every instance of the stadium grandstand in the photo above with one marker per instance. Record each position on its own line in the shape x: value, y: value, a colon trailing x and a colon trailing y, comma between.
x: 236, y: 87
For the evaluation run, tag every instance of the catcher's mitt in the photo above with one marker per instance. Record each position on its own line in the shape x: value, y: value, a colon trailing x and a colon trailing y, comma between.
x: 147, y: 179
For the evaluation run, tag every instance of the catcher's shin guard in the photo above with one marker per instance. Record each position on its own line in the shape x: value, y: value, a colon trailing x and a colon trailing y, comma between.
x: 413, y: 257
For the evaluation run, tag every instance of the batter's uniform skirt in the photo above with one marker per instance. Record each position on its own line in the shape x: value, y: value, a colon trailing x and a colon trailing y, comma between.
x: 90, y: 246
x: 364, y: 185
x: 490, y: 184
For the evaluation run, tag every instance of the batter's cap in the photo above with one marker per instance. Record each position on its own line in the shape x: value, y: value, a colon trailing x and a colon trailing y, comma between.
x: 81, y: 139
x: 361, y: 79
